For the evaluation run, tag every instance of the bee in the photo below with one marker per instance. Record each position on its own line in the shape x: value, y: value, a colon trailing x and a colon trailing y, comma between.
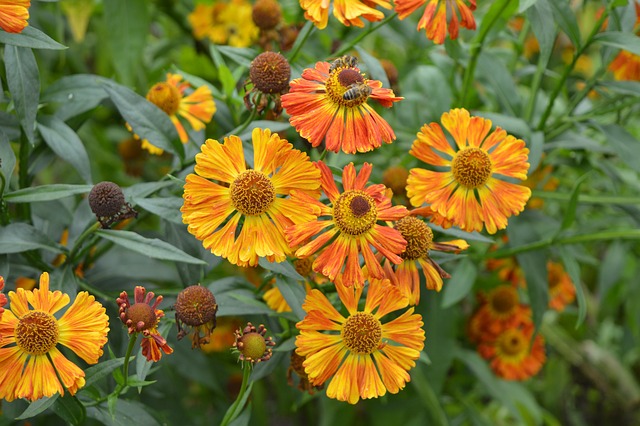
x: 357, y: 91
x: 344, y: 61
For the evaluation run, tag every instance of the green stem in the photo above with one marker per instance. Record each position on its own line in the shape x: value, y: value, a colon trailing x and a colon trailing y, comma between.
x: 623, y: 234
x: 591, y: 199
x: 324, y: 154
x: 245, y: 124
x: 231, y: 412
x: 78, y: 244
x: 476, y: 48
x: 347, y: 47
x: 298, y: 48
x: 125, y: 368
x: 567, y: 71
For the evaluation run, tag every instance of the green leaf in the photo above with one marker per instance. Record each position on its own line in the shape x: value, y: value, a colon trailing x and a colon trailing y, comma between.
x: 30, y: 37
x: 46, y: 193
x: 428, y: 396
x: 620, y: 40
x: 167, y: 208
x: 125, y: 413
x: 147, y: 120
x: 65, y: 280
x: 542, y: 23
x: 536, y: 146
x: 374, y: 68
x: 440, y: 326
x: 623, y: 87
x: 9, y: 125
x: 525, y: 5
x: 494, y: 72
x: 625, y: 144
x: 75, y: 94
x: 8, y: 163
x: 152, y: 247
x: 227, y: 80
x: 283, y: 268
x: 570, y: 214
x: 566, y: 19
x: 241, y: 55
x: 274, y: 126
x: 144, y: 189
x: 573, y: 269
x: 240, y: 303
x: 38, y: 406
x: 66, y: 144
x: 103, y: 369
x: 460, y: 283
x: 513, y: 125
x: 19, y: 237
x: 611, y: 267
x: 294, y: 293
x: 70, y: 409
x: 127, y: 23
x: 24, y: 84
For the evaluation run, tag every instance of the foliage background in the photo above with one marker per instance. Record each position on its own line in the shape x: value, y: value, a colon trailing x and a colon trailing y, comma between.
x: 79, y: 97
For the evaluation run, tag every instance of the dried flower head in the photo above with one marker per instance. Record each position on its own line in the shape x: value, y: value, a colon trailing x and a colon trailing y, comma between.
x: 266, y: 14
x: 107, y: 203
x: 196, y: 308
x: 269, y: 74
x: 252, y: 345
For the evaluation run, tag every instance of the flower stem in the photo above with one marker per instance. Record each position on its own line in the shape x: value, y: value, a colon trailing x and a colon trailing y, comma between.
x: 297, y: 48
x: 87, y: 232
x: 347, y: 47
x: 125, y: 368
x: 232, y: 411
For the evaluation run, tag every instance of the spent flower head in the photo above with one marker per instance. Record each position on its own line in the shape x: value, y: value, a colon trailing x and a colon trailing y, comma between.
x: 251, y: 345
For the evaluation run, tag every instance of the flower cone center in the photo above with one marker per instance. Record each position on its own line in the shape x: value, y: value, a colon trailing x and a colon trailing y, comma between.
x: 166, y: 97
x: 37, y: 333
x: 512, y: 342
x: 471, y: 167
x: 142, y: 315
x: 418, y: 235
x: 252, y: 193
x: 252, y: 345
x: 270, y: 73
x: 362, y: 333
x: 504, y: 299
x: 195, y: 306
x: 303, y: 266
x: 355, y: 212
x: 339, y: 82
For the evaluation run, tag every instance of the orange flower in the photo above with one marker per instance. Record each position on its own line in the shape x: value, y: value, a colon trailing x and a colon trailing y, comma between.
x: 365, y: 356
x: 434, y: 18
x: 31, y: 365
x: 3, y: 299
x: 626, y: 66
x: 349, y: 227
x: 329, y: 103
x: 419, y: 239
x: 14, y: 15
x: 469, y: 194
x: 143, y: 317
x: 499, y: 309
x: 561, y: 288
x: 265, y: 199
x: 348, y: 12
x: 511, y: 353
x: 197, y: 108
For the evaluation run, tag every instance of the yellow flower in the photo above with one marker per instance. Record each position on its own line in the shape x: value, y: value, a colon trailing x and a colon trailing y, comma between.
x: 30, y: 362
x: 256, y: 204
x: 470, y: 192
x: 14, y: 15
x: 348, y: 12
x: 225, y: 23
x: 365, y: 356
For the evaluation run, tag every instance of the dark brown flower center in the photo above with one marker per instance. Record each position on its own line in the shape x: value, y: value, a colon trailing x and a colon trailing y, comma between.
x: 270, y: 73
x: 362, y: 333
x: 142, y: 316
x: 195, y: 306
x: 471, y: 167
x: 37, y: 333
x: 252, y: 193
x: 349, y: 76
x: 418, y: 235
x: 355, y: 212
x: 504, y: 299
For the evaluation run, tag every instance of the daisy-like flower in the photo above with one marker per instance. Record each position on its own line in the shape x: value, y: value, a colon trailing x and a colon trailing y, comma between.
x: 419, y: 239
x: 14, y: 15
x: 365, y: 356
x: 469, y: 193
x: 349, y: 227
x: 499, y: 309
x: 265, y: 198
x: 143, y: 317
x: 561, y: 289
x: 329, y: 102
x: 225, y: 23
x: 434, y: 19
x: 31, y: 365
x: 170, y: 96
x: 512, y: 355
x: 348, y: 12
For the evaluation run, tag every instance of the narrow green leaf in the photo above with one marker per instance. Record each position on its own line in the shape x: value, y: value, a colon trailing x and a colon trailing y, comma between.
x: 70, y: 409
x: 428, y: 396
x: 122, y: 412
x: 524, y: 5
x: 621, y: 40
x: 570, y: 214
x: 147, y: 120
x: 10, y: 126
x: 573, y: 269
x: 241, y: 55
x: 19, y: 237
x: 460, y: 283
x: 46, y: 193
x: 127, y: 23
x: 66, y: 144
x: 30, y: 37
x: 8, y: 163
x: 294, y: 293
x: 38, y: 406
x: 65, y: 280
x: 167, y: 208
x: 374, y: 68
x: 23, y: 80
x: 566, y: 19
x: 611, y: 267
x: 440, y: 326
x: 494, y: 72
x: 624, y: 143
x: 75, y: 94
x: 144, y: 189
x: 542, y: 23
x: 152, y: 247
x: 240, y: 303
x: 103, y: 369
x: 227, y: 80
x: 283, y: 268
